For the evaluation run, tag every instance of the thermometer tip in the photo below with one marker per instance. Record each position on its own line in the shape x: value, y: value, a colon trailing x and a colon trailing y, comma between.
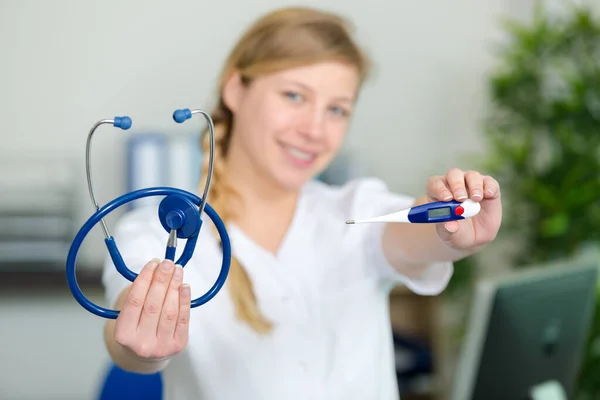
x: 350, y: 222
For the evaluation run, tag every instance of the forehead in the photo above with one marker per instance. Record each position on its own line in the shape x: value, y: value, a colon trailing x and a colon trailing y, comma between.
x: 333, y: 79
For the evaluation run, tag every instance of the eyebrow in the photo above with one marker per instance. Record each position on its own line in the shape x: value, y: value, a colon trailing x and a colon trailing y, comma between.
x: 307, y: 87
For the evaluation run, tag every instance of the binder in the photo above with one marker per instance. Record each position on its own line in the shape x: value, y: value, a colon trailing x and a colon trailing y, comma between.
x: 180, y: 168
x: 185, y: 162
x: 147, y: 164
x: 163, y: 160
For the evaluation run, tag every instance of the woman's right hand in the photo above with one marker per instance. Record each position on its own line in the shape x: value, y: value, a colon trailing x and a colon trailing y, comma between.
x: 154, y: 320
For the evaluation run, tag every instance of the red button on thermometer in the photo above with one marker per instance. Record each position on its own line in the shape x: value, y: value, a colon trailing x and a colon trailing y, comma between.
x: 436, y: 212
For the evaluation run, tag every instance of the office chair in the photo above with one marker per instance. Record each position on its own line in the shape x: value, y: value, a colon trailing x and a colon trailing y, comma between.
x: 121, y: 384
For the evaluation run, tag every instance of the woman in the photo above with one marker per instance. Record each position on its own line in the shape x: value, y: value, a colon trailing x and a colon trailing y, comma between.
x: 304, y: 313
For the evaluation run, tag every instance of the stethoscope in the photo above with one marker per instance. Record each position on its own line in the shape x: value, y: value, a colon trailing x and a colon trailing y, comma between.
x: 179, y: 214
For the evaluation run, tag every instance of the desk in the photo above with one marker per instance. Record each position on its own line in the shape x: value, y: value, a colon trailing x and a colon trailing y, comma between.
x: 421, y: 317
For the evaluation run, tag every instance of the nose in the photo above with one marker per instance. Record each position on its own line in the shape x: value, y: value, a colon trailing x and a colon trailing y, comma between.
x: 312, y: 123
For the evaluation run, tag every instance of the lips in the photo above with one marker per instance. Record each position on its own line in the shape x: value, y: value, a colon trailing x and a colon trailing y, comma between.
x: 298, y: 156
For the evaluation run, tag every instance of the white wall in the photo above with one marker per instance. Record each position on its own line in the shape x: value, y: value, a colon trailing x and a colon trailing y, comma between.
x: 67, y: 64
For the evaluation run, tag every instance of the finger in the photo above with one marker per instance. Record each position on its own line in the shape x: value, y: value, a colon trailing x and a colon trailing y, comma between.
x: 491, y: 187
x: 437, y: 190
x: 474, y: 183
x: 156, y: 297
x: 456, y: 181
x: 170, y: 309
x: 129, y: 316
x: 183, y: 322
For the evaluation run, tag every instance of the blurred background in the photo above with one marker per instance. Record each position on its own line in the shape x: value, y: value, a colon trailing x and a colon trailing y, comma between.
x: 503, y: 86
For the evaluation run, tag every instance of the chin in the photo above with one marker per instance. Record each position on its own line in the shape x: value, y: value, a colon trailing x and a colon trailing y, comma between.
x: 295, y: 168
x: 292, y: 183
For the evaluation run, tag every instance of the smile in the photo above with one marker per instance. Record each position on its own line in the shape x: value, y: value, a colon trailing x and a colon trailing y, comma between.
x: 299, y: 157
x: 300, y: 154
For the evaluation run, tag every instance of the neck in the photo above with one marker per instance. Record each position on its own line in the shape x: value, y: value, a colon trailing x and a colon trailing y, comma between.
x: 263, y: 209
x: 256, y: 195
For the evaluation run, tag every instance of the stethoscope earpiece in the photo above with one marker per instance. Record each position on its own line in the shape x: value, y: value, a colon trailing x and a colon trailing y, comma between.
x: 179, y: 214
x: 122, y: 122
x: 181, y: 116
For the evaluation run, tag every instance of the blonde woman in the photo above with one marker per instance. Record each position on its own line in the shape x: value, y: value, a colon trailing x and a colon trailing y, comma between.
x: 304, y: 313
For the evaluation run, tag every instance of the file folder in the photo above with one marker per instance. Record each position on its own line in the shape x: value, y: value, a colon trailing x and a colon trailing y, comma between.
x: 163, y: 160
x: 147, y: 164
x: 185, y: 162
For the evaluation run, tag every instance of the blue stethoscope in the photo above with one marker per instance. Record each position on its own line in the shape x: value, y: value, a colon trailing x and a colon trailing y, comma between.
x: 179, y: 213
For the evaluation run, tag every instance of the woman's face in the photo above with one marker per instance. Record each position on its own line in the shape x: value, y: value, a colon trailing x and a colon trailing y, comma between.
x: 289, y: 125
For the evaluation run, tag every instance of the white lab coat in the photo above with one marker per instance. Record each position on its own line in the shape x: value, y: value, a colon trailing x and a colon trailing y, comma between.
x: 326, y: 292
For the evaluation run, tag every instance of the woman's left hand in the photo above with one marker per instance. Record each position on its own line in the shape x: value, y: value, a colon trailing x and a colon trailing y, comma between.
x: 471, y: 233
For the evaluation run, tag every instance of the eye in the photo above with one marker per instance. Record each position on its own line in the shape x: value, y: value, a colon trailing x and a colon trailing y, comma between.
x: 294, y: 96
x: 342, y: 112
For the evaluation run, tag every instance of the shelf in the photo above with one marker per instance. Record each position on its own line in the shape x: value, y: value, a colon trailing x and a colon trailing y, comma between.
x: 15, y: 227
x: 25, y: 277
x: 37, y: 211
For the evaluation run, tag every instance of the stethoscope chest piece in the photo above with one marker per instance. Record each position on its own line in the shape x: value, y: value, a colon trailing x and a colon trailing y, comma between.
x: 177, y: 213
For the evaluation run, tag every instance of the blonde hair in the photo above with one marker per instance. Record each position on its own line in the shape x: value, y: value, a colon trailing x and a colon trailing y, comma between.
x: 285, y: 38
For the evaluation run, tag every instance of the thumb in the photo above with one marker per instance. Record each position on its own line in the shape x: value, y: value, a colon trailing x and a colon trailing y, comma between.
x: 447, y: 230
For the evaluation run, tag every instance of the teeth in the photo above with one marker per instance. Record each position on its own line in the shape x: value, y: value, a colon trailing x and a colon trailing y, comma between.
x: 299, y: 154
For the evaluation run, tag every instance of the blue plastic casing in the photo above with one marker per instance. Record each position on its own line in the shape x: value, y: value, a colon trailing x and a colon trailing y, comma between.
x: 420, y: 213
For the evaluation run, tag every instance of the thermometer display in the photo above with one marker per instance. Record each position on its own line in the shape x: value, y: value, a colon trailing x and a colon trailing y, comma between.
x: 439, y: 212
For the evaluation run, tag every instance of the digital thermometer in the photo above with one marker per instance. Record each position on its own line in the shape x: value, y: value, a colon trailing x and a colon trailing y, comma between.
x: 436, y: 212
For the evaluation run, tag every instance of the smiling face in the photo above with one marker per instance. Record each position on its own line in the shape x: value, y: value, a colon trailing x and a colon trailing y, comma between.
x: 289, y: 125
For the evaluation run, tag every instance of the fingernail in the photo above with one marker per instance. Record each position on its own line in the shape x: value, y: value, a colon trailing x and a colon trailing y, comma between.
x: 461, y: 194
x: 185, y: 289
x: 446, y: 196
x: 477, y: 194
x: 178, y: 272
x: 167, y: 266
x: 489, y: 191
x: 153, y: 264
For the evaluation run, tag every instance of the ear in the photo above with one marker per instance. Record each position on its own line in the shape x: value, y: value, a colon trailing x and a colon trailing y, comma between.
x: 233, y: 91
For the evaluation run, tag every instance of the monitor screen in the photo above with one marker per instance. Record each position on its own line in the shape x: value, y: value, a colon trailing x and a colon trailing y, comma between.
x: 527, y: 332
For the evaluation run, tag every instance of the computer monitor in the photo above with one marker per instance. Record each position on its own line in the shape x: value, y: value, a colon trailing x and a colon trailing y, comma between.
x: 527, y: 333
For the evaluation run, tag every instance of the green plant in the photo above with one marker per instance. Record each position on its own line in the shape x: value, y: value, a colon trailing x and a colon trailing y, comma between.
x: 463, y: 277
x: 543, y: 133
